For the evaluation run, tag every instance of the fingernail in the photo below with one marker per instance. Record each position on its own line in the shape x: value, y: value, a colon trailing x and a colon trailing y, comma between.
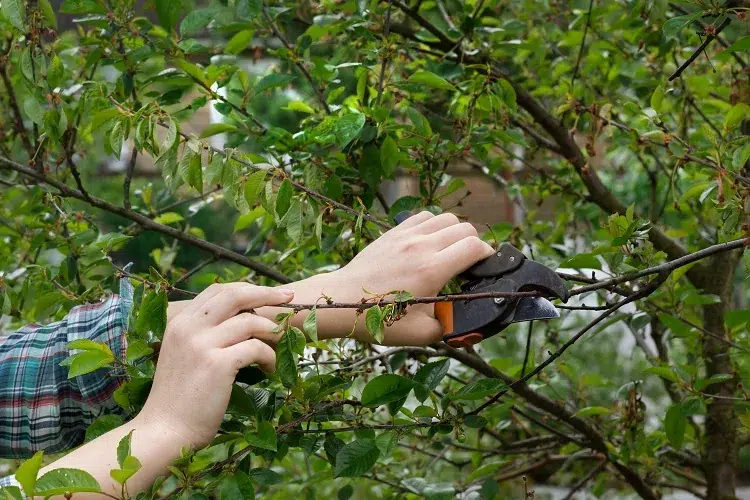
x: 285, y: 291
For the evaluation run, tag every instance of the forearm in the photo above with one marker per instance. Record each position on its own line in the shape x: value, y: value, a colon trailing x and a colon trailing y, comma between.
x: 153, y: 443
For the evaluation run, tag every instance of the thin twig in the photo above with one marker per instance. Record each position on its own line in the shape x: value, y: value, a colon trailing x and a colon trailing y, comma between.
x: 583, y: 44
x: 386, y: 32
x: 701, y: 48
x: 278, y: 34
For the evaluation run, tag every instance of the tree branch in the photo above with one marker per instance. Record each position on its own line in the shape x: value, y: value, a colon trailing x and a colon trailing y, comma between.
x: 147, y: 223
x: 701, y: 48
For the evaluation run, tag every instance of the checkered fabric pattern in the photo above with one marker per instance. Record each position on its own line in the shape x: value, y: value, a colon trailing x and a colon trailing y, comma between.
x: 40, y: 408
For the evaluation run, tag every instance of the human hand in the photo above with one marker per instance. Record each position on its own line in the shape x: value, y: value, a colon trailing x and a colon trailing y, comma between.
x: 204, y: 347
x: 420, y: 256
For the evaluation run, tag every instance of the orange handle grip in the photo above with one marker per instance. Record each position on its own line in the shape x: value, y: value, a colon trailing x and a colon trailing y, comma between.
x: 444, y: 314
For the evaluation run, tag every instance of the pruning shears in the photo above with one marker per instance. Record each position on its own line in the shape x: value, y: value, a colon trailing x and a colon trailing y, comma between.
x: 468, y: 322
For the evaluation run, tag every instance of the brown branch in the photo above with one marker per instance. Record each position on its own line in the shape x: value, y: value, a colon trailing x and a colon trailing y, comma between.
x: 218, y: 251
x: 701, y: 48
x: 17, y: 116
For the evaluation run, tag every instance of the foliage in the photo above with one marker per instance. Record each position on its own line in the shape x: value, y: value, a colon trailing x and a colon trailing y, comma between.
x: 644, y: 170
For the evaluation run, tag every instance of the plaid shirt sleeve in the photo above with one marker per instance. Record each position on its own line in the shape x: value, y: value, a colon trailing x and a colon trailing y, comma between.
x: 40, y: 408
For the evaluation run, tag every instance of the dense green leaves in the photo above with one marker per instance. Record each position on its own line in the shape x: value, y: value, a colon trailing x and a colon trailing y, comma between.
x: 326, y: 129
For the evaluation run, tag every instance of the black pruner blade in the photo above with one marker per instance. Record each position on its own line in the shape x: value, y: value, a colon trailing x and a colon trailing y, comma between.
x: 468, y: 322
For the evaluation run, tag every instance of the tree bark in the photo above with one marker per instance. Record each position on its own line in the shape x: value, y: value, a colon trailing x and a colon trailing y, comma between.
x: 721, y: 449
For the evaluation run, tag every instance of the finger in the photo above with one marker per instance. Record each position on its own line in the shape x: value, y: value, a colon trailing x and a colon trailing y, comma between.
x: 415, y: 220
x: 251, y: 352
x: 231, y: 301
x: 451, y: 234
x: 205, y: 295
x: 436, y: 224
x: 461, y: 255
x: 243, y: 327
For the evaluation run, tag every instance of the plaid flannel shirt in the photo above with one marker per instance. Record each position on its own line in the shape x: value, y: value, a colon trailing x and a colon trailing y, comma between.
x: 40, y: 408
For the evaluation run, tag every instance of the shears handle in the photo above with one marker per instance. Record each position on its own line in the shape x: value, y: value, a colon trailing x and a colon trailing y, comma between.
x: 444, y: 314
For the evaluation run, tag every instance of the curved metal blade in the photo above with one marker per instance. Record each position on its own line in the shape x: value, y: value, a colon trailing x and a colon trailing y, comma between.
x: 533, y: 308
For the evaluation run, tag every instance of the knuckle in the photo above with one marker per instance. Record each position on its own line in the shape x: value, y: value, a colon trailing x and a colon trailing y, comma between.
x: 449, y: 217
x: 414, y: 244
x: 475, y: 245
x: 468, y: 228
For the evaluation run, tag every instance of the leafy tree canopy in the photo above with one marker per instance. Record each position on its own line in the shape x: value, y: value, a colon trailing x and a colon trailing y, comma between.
x: 631, y: 118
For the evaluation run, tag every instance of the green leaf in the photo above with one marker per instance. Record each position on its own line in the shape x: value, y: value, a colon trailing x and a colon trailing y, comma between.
x: 657, y: 98
x: 345, y: 493
x: 236, y: 486
x: 420, y: 122
x: 478, y: 390
x: 264, y: 437
x: 34, y: 110
x: 664, y: 372
x: 190, y: 69
x: 11, y: 493
x: 239, y: 42
x: 581, y: 261
x: 310, y: 325
x: 356, y: 458
x: 49, y: 13
x: 245, y: 220
x: 590, y: 411
x: 739, y: 112
x: 286, y: 359
x: 152, y: 315
x: 168, y: 12
x: 27, y: 473
x: 123, y: 448
x: 284, y: 198
x: 678, y: 327
x: 15, y: 12
x: 674, y: 426
x: 369, y: 165
x: 348, y: 127
x: 386, y: 442
x: 129, y: 467
x: 103, y: 425
x: 374, y: 323
x: 431, y: 80
x: 90, y: 345
x: 217, y: 128
x: 196, y: 20
x: 190, y: 170
x: 254, y: 185
x: 714, y: 379
x: 103, y: 116
x: 424, y: 411
x: 740, y: 45
x: 429, y: 376
x: 299, y: 106
x: 60, y: 481
x: 385, y: 388
x: 272, y: 81
x: 509, y: 94
x: 87, y: 362
x: 294, y: 221
x: 388, y: 156
x: 169, y: 218
x: 673, y: 26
